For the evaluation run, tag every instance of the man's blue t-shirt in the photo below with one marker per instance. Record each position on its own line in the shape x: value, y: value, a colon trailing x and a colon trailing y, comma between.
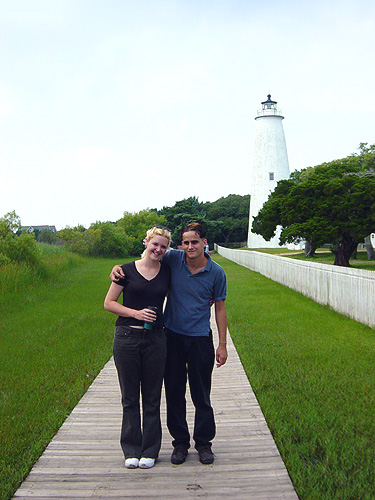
x: 188, y: 304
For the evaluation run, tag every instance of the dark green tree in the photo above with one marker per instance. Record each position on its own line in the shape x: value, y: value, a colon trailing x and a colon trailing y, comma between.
x: 183, y: 212
x: 226, y: 219
x: 47, y: 236
x: 331, y: 203
x: 231, y: 216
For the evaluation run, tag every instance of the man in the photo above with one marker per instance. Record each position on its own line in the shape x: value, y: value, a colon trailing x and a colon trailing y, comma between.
x: 196, y: 281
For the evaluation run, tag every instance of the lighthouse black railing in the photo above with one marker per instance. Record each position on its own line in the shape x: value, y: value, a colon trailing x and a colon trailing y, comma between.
x: 269, y: 112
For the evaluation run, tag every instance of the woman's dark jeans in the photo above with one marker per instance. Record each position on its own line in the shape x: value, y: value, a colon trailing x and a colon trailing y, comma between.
x: 140, y: 357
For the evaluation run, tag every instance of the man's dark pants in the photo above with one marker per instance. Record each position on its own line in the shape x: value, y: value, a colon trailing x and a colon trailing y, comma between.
x: 189, y: 358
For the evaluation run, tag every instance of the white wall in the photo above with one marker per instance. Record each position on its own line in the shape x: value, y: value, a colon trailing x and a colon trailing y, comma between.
x: 347, y: 291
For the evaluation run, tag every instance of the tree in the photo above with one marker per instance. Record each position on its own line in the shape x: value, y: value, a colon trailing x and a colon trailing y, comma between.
x: 108, y: 240
x: 47, y: 236
x: 104, y: 239
x: 10, y: 222
x: 226, y: 219
x: 231, y: 216
x: 135, y: 226
x: 182, y: 213
x: 17, y: 249
x: 331, y: 203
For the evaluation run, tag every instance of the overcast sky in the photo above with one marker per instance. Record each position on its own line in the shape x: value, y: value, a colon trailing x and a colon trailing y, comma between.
x: 109, y: 106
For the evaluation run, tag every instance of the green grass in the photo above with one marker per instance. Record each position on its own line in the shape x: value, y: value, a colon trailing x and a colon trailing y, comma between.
x: 55, y: 338
x: 313, y: 373
x: 19, y: 279
x: 272, y: 251
x: 311, y: 369
x: 322, y: 256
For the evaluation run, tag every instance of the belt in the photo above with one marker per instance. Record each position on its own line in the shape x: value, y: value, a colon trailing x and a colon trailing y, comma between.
x: 140, y: 329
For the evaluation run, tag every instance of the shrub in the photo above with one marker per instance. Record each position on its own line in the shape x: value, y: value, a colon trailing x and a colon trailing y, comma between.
x: 110, y: 240
x: 102, y: 239
x: 47, y: 236
x: 21, y: 248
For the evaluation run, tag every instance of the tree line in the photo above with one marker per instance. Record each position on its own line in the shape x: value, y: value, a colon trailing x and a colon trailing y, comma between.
x: 332, y: 203
x: 226, y: 221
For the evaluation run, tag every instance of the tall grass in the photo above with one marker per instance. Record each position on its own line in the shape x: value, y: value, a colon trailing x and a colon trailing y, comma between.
x: 18, y: 278
x: 55, y: 338
x: 313, y: 373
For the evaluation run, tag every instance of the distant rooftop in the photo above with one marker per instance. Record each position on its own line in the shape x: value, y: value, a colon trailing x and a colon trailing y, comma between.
x: 32, y: 229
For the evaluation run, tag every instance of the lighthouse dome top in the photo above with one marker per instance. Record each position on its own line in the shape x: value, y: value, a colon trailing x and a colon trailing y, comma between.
x: 269, y: 108
x: 269, y: 103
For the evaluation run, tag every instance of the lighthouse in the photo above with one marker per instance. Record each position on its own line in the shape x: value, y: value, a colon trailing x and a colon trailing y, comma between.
x: 270, y: 165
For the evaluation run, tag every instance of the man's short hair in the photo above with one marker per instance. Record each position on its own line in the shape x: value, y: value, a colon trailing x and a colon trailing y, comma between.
x: 196, y: 227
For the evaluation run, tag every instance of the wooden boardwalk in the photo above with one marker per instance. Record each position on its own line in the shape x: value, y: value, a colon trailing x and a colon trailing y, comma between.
x: 84, y: 460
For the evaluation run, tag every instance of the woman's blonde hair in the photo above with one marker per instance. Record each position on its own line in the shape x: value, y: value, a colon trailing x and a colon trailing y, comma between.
x: 157, y: 231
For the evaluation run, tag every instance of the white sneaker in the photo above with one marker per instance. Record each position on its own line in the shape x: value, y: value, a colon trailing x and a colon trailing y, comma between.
x: 131, y: 463
x: 146, y: 463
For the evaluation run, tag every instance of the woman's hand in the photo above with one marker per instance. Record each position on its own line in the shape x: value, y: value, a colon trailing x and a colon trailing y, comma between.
x: 146, y: 315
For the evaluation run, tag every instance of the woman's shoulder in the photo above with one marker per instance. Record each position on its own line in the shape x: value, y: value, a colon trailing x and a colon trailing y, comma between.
x: 128, y: 265
x: 129, y: 268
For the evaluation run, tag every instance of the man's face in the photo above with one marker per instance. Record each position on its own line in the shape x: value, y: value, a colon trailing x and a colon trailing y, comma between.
x: 193, y: 245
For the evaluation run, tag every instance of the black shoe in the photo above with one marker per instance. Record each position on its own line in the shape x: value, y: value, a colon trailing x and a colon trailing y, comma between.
x: 179, y: 455
x: 205, y: 455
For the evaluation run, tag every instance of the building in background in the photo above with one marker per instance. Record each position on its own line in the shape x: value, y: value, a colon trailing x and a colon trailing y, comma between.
x: 33, y: 229
x: 270, y: 165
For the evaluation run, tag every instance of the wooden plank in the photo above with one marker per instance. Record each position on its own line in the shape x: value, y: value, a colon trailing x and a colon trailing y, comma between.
x: 84, y: 460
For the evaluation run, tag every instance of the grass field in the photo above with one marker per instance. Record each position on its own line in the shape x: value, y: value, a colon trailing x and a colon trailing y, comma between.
x: 55, y: 338
x: 313, y: 373
x: 312, y: 370
x: 324, y: 257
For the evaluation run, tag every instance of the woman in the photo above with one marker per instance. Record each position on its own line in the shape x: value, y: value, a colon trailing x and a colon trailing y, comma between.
x: 139, y: 352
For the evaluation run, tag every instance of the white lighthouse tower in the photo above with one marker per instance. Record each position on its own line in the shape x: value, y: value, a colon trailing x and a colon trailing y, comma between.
x: 270, y: 165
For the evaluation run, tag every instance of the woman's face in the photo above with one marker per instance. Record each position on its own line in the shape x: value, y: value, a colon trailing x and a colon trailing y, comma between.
x: 157, y: 246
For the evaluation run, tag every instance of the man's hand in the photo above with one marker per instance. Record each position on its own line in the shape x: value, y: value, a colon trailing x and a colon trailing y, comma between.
x: 116, y: 273
x: 221, y: 355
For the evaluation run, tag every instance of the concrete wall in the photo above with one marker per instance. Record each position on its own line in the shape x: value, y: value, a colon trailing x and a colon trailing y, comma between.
x: 347, y: 291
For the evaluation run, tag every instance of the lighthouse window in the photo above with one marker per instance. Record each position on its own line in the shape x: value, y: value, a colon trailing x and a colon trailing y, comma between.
x: 272, y: 176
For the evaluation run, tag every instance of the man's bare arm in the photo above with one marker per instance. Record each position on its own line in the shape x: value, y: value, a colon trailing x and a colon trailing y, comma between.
x: 221, y: 322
